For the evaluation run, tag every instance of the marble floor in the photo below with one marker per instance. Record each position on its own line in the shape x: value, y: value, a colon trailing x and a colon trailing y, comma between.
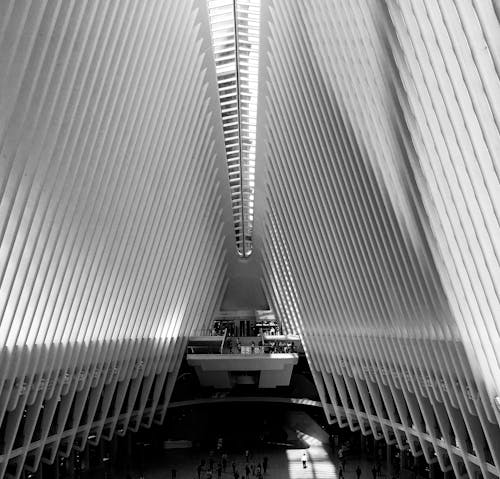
x: 299, y: 432
x: 283, y: 464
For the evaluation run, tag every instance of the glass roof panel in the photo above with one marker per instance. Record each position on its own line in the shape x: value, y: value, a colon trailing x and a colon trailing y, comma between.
x: 235, y: 39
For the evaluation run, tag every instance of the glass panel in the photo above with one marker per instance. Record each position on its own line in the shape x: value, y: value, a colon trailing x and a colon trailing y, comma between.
x: 235, y: 39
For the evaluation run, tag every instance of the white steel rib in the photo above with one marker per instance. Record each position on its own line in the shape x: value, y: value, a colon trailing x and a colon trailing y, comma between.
x: 129, y: 135
x: 378, y: 152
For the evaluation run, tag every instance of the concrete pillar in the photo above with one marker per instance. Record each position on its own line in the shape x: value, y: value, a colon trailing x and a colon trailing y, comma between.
x: 388, y: 460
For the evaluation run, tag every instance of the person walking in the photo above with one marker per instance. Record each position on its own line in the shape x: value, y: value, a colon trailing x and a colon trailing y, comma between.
x: 219, y: 470
x: 304, y: 459
x: 358, y: 472
x: 374, y: 472
x: 265, y: 462
x: 224, y: 462
x: 341, y: 473
x: 247, y: 471
x: 198, y: 469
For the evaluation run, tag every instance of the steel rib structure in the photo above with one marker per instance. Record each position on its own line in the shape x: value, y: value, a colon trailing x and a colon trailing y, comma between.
x: 380, y: 203
x: 375, y: 229
x: 115, y: 216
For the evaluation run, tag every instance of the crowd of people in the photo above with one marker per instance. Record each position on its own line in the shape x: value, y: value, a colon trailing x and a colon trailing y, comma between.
x: 218, y: 464
x: 221, y: 329
x: 376, y: 470
x: 253, y: 468
x: 234, y: 346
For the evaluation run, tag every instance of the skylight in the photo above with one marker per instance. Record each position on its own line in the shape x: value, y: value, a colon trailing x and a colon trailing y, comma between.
x: 235, y: 38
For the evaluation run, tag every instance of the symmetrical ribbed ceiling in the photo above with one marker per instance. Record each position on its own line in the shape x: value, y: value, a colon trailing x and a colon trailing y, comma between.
x: 379, y: 131
x: 376, y: 216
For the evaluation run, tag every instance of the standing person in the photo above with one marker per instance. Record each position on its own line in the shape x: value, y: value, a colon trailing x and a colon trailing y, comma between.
x: 247, y: 471
x: 265, y: 463
x: 234, y: 467
x: 211, y: 463
x: 247, y: 455
x: 174, y: 473
x: 219, y: 470
x: 358, y: 472
x: 341, y: 473
x: 224, y: 462
x: 374, y: 472
x: 198, y: 469
x: 304, y: 459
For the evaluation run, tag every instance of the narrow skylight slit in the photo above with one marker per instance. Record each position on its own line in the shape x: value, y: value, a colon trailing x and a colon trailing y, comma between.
x: 235, y: 39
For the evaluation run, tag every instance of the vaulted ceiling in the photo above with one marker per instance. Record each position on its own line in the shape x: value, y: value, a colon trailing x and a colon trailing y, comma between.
x: 374, y: 231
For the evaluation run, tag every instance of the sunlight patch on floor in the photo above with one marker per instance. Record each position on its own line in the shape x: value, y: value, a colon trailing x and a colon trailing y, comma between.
x: 319, y: 464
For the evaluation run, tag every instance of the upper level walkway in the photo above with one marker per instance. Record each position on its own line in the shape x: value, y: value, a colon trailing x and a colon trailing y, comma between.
x: 223, y: 362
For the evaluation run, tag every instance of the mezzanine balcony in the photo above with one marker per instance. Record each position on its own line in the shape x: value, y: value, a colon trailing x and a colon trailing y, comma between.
x: 224, y: 362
